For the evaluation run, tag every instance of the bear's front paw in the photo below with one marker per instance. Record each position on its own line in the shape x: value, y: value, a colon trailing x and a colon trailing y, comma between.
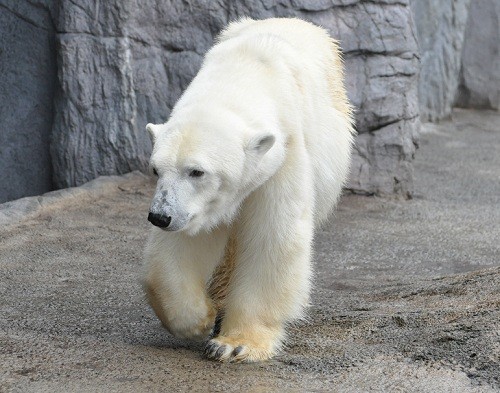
x: 192, y: 324
x: 243, y: 347
x: 188, y: 318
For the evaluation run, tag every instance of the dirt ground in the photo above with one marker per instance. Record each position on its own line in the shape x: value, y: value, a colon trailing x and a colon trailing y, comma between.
x: 406, y: 299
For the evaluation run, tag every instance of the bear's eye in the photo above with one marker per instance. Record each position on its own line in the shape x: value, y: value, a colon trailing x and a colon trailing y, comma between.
x: 155, y: 172
x: 196, y: 173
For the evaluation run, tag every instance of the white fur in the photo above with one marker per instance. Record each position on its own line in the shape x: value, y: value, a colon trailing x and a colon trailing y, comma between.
x: 267, y: 120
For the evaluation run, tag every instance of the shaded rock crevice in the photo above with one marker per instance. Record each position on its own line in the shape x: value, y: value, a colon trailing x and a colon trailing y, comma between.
x: 27, y: 88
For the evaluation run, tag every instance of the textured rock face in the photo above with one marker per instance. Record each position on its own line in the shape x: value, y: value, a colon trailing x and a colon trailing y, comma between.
x: 480, y: 73
x: 125, y: 63
x: 122, y: 64
x: 440, y: 26
x: 27, y: 80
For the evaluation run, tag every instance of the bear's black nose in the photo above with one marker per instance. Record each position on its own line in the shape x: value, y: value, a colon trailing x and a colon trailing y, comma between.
x: 159, y: 220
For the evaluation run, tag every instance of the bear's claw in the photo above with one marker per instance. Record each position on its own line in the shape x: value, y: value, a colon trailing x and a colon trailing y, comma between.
x: 218, y: 351
x: 238, y: 350
x: 234, y: 352
x: 210, y: 348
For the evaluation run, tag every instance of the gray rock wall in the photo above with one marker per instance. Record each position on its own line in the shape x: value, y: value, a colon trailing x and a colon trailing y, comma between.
x: 125, y: 63
x: 27, y: 82
x: 480, y: 72
x: 441, y: 27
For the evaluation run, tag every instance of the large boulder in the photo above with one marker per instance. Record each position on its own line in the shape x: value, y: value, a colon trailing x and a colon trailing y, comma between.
x: 480, y: 73
x: 440, y: 28
x: 123, y: 63
x: 27, y: 82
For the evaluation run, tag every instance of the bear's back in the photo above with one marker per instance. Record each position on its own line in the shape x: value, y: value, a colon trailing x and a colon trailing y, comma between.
x: 310, y: 40
x: 311, y: 44
x: 329, y: 133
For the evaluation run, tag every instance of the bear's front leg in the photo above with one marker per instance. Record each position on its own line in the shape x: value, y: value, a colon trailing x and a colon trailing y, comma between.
x: 178, y: 268
x: 270, y: 284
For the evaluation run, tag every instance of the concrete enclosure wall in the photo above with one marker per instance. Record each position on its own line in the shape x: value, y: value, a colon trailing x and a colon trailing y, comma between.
x: 123, y: 64
x: 85, y: 77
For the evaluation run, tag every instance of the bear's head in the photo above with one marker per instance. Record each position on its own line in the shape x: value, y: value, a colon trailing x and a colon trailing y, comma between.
x: 207, y: 163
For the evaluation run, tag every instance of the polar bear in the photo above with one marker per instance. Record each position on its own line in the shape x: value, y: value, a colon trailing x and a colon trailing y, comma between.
x: 252, y: 159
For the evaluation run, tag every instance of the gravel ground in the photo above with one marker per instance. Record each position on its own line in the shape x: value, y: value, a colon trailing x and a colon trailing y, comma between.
x: 407, y: 292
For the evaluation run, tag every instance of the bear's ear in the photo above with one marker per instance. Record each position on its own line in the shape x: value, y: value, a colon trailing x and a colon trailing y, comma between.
x: 261, y: 143
x: 152, y: 130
